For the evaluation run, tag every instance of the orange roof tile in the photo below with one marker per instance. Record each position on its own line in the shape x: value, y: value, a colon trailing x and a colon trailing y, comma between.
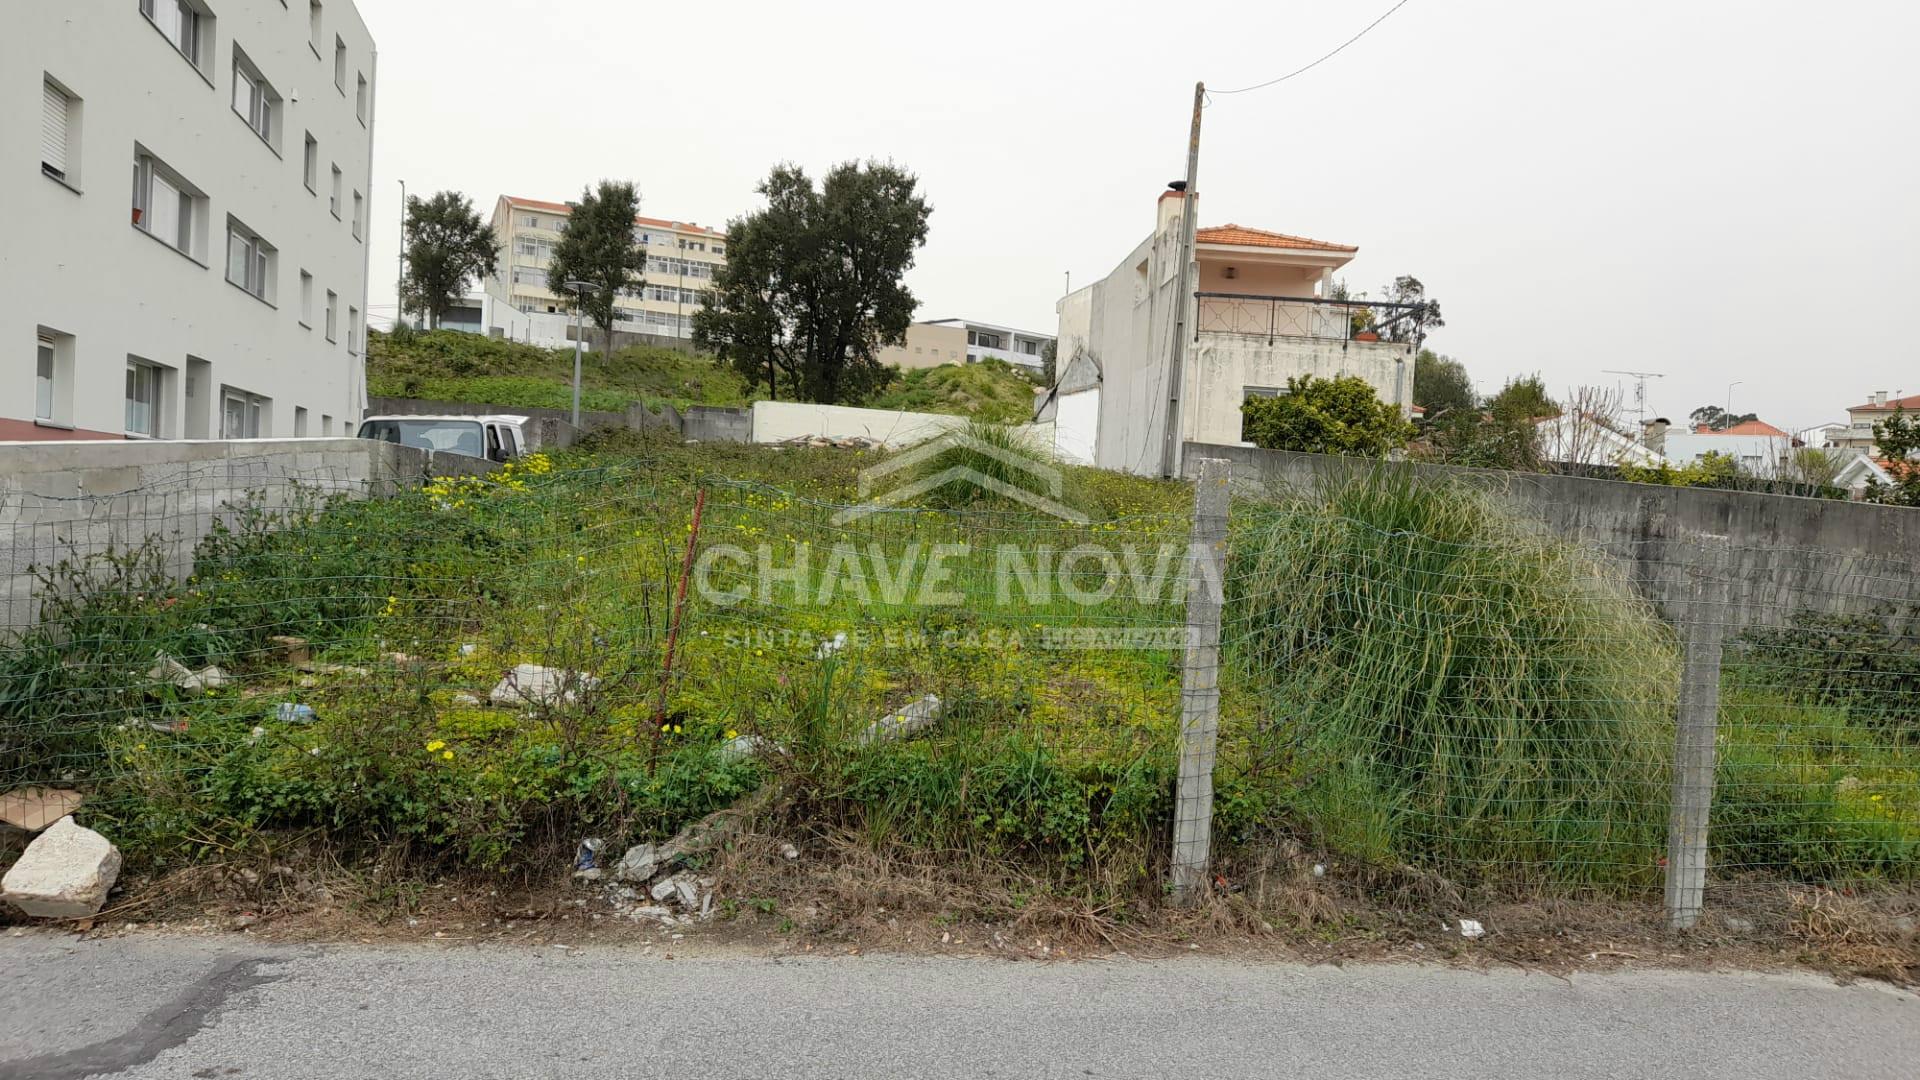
x: 1910, y: 403
x: 1748, y: 427
x: 659, y: 223
x: 1241, y: 236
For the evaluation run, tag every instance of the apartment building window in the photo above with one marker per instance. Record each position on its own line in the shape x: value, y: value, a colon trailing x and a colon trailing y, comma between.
x: 359, y: 208
x: 306, y: 299
x: 339, y: 64
x: 43, y: 380
x: 333, y: 307
x: 243, y: 415
x: 250, y: 260
x: 315, y: 36
x: 255, y: 100
x: 59, y: 133
x: 360, y: 100
x: 310, y: 164
x: 353, y: 331
x: 167, y: 207
x: 719, y: 249
x: 326, y: 425
x: 184, y: 24
x: 333, y: 199
x: 533, y: 221
x: 144, y: 381
x: 299, y: 422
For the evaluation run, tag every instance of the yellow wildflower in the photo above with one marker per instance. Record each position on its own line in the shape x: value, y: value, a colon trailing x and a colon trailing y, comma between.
x: 436, y: 744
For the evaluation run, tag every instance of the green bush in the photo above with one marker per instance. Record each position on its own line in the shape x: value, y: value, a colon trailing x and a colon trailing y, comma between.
x: 1867, y: 664
x: 1449, y: 687
x: 1326, y: 416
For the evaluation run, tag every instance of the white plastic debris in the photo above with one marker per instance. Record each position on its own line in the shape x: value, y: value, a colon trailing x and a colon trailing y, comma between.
x: 168, y: 670
x: 1319, y: 869
x: 743, y: 747
x: 532, y: 684
x: 1470, y: 929
x: 911, y: 720
x: 789, y: 852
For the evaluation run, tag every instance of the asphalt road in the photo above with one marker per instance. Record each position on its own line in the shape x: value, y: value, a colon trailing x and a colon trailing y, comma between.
x: 187, y: 1007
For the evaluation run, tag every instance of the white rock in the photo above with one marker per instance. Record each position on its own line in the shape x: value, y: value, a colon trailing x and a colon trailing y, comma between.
x: 828, y: 648
x: 650, y: 911
x: 64, y: 874
x: 789, y: 852
x: 911, y: 720
x: 742, y: 747
x: 466, y: 700
x: 532, y: 684
x: 1470, y: 929
x: 663, y: 889
x: 638, y: 864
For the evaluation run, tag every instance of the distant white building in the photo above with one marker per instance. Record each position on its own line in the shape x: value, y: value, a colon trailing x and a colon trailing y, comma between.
x: 223, y: 291
x: 1759, y: 448
x: 1022, y: 348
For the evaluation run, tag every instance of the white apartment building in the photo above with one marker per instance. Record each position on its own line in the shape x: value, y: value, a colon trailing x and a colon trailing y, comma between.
x: 990, y: 341
x: 189, y: 182
x: 681, y: 260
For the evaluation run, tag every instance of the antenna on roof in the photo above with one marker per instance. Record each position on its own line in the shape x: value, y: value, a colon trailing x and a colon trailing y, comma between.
x: 1639, y: 387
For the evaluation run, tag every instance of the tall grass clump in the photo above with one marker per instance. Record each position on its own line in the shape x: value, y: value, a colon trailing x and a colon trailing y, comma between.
x: 990, y: 460
x: 1430, y: 680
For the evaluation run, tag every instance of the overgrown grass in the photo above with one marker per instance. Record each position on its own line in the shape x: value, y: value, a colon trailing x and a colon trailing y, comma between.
x: 1438, y: 684
x: 452, y: 366
x: 990, y: 391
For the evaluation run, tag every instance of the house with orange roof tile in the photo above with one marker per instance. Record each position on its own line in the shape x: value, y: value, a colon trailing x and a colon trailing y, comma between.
x: 1759, y: 448
x: 1861, y: 418
x: 1252, y: 308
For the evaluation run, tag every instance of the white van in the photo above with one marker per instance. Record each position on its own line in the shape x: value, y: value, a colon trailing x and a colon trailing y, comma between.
x: 496, y: 438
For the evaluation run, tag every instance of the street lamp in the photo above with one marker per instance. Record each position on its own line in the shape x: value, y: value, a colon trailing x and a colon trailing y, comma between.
x: 579, y: 304
x: 1730, y: 387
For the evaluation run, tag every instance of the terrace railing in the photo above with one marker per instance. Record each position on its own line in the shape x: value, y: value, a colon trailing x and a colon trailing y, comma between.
x: 1275, y: 317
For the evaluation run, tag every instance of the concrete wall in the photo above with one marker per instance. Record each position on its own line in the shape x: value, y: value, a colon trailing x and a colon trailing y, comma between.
x: 778, y: 421
x: 636, y: 417
x: 709, y: 423
x: 1076, y: 419
x: 74, y: 499
x: 111, y: 291
x: 1780, y: 552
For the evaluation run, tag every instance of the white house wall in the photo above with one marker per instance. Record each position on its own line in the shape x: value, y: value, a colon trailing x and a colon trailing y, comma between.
x: 75, y: 264
x: 1220, y: 366
x: 1076, y: 426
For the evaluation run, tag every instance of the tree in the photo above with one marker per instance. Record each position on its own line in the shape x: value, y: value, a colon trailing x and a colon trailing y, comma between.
x: 1407, y: 289
x: 1326, y: 416
x: 1587, y: 432
x: 1717, y: 418
x: 1898, y: 439
x: 1814, y: 466
x: 812, y: 289
x: 448, y: 245
x: 598, y: 248
x: 1049, y: 357
x: 1523, y: 398
x: 1440, y: 384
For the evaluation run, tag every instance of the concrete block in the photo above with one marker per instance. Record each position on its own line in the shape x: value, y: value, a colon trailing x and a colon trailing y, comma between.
x: 64, y: 874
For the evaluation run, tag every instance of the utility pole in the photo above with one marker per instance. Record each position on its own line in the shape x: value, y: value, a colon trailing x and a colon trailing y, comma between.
x: 1170, y: 456
x: 400, y: 282
x: 579, y: 335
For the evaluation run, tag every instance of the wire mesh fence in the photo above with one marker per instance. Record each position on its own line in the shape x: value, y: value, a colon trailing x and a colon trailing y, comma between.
x: 1406, y: 675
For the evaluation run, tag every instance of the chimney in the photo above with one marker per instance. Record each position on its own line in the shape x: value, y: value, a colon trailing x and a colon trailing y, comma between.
x: 1880, y: 398
x: 1172, y: 201
x: 1653, y: 434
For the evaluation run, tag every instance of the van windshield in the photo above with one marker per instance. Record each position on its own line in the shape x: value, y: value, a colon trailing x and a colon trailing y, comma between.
x: 444, y: 436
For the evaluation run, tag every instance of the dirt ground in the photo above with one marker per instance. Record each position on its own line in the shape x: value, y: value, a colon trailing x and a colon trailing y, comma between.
x: 839, y: 898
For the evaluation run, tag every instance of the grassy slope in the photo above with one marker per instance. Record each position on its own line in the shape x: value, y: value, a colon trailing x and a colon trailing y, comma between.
x: 451, y: 366
x: 990, y: 391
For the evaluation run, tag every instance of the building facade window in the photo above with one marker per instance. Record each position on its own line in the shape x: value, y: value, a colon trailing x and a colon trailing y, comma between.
x: 306, y: 299
x: 315, y: 35
x: 353, y: 331
x: 333, y: 308
x: 339, y: 64
x: 249, y: 261
x: 143, y: 398
x: 59, y: 152
x: 255, y: 100
x: 43, y: 380
x: 166, y: 207
x: 333, y: 198
x: 360, y: 100
x: 182, y: 23
x: 243, y: 415
x: 310, y: 164
x: 359, y: 208
x: 299, y: 422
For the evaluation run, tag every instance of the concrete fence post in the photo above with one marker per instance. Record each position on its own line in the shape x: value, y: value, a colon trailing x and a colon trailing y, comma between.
x: 1200, y: 682
x: 1703, y: 631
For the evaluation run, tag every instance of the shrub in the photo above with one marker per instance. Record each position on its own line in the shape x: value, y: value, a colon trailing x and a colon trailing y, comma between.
x: 1868, y: 665
x: 1450, y: 687
x: 1326, y: 416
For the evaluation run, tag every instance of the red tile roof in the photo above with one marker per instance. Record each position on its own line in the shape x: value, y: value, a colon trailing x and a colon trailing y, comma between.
x: 658, y: 223
x: 1911, y: 403
x: 1241, y: 236
x: 1749, y: 427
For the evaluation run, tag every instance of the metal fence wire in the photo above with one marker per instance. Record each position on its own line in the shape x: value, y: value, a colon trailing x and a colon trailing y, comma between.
x: 1404, y: 675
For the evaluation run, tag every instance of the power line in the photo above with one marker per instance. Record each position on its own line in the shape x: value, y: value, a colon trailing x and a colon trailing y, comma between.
x: 1336, y: 52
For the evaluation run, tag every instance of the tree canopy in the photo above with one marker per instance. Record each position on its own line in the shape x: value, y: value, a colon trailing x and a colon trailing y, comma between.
x: 1717, y: 418
x: 1326, y: 416
x: 1898, y: 439
x: 1440, y: 384
x: 448, y: 246
x: 599, y: 248
x: 812, y: 286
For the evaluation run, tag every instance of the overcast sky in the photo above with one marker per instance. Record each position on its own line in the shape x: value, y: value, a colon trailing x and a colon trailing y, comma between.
x: 1712, y: 189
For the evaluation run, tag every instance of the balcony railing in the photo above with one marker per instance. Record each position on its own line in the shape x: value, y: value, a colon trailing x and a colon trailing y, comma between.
x: 1274, y: 317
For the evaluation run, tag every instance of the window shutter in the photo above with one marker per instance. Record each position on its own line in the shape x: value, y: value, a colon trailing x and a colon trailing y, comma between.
x: 53, y: 129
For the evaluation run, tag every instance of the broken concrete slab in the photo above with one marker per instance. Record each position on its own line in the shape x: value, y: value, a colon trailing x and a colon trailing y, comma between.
x: 533, y: 684
x: 294, y: 650
x: 64, y: 874
x: 909, y: 721
x: 638, y: 864
x: 34, y: 808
